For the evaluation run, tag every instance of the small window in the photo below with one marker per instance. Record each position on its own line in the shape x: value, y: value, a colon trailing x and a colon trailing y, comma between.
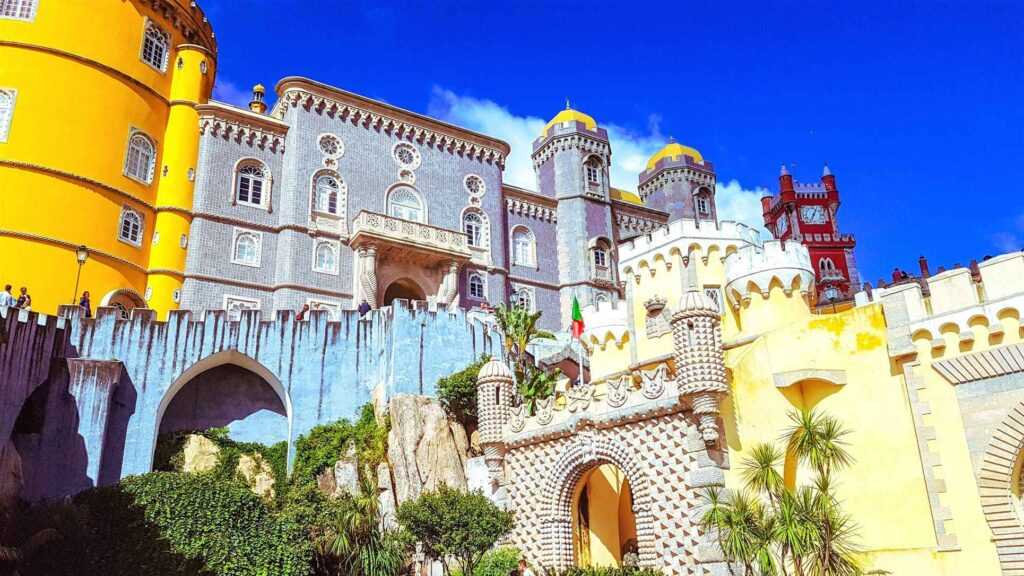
x: 176, y: 295
x: 523, y: 298
x: 523, y: 247
x: 593, y: 172
x: 475, y: 185
x: 250, y: 184
x: 183, y: 241
x: 703, y: 205
x: 325, y: 257
x: 155, y: 46
x: 405, y: 203
x: 18, y: 9
x: 246, y: 249
x: 476, y: 286
x: 600, y: 258
x: 6, y: 112
x: 473, y: 226
x: 140, y: 159
x: 130, y: 228
x: 326, y: 195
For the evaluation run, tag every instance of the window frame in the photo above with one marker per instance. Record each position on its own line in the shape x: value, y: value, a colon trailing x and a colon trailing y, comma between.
x: 335, y: 246
x: 134, y: 133
x: 258, y: 236
x: 266, y: 181
x: 127, y: 211
x: 336, y: 191
x: 530, y: 293
x: 483, y: 285
x: 389, y: 204
x: 532, y: 248
x: 149, y: 23
x: 33, y: 9
x: 5, y: 126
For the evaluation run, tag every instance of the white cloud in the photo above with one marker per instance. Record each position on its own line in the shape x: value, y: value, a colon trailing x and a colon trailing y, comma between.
x: 227, y: 91
x: 630, y: 150
x: 1010, y: 240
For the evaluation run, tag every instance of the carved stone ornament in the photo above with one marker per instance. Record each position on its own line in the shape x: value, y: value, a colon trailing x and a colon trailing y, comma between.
x: 657, y: 323
x: 580, y: 397
x: 546, y: 410
x: 517, y: 417
x: 618, y: 390
x: 653, y: 385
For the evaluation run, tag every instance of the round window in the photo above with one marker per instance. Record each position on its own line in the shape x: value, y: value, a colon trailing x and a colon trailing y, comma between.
x: 475, y: 185
x: 406, y: 155
x: 331, y: 146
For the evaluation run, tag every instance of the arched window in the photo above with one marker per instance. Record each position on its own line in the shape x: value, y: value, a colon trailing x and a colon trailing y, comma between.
x: 600, y: 259
x: 130, y: 227
x: 141, y: 156
x: 6, y: 111
x: 703, y: 203
x: 18, y: 9
x: 473, y: 226
x: 523, y: 247
x: 593, y: 171
x: 523, y: 298
x: 476, y: 286
x: 155, y: 46
x: 326, y: 195
x: 246, y: 249
x: 405, y: 203
x: 250, y: 183
x: 325, y: 257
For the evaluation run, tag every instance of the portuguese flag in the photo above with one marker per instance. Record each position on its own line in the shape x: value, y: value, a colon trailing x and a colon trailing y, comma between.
x: 577, y: 319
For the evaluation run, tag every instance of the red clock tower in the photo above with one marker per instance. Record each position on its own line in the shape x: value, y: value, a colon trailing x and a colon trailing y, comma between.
x: 806, y: 213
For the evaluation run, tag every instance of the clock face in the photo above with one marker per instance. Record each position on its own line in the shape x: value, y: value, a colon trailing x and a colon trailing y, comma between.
x: 781, y: 226
x: 812, y: 214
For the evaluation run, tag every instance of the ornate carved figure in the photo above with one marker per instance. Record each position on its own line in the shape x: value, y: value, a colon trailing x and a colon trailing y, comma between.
x: 618, y: 390
x: 579, y: 397
x: 654, y: 382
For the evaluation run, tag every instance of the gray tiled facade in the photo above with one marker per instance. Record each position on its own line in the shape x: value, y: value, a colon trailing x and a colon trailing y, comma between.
x: 567, y: 216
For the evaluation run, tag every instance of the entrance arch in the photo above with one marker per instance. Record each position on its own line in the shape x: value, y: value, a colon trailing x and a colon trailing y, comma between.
x: 604, y: 526
x: 243, y: 391
x: 124, y: 299
x: 404, y: 288
x: 584, y: 456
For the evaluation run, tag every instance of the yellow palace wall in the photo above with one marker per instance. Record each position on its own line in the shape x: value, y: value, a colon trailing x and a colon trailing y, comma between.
x: 81, y: 89
x: 777, y: 341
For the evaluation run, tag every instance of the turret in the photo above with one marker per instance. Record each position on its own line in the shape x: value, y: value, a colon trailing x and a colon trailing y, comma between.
x: 787, y: 192
x: 493, y: 400
x: 678, y: 180
x: 700, y: 366
x: 769, y: 286
x: 827, y: 179
x: 257, y: 104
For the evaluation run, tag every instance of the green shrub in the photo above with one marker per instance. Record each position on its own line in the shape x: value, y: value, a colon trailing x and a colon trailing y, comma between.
x: 457, y: 393
x: 606, y: 571
x: 324, y: 444
x: 498, y: 562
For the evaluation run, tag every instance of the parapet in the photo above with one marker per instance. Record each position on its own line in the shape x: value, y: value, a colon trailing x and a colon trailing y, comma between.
x: 683, y: 237
x: 756, y: 268
x: 603, y: 322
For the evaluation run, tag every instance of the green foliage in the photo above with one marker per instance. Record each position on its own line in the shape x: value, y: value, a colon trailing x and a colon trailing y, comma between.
x: 520, y: 329
x: 457, y: 392
x: 324, y: 444
x: 536, y: 384
x: 498, y: 562
x: 453, y: 524
x: 605, y: 571
x: 361, y: 545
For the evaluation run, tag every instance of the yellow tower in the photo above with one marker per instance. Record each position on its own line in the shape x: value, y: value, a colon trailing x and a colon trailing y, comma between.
x: 98, y: 146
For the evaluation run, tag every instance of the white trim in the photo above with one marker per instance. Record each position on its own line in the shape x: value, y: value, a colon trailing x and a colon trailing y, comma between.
x: 336, y: 246
x: 132, y: 133
x: 31, y: 16
x: 235, y: 233
x: 512, y: 246
x: 341, y: 145
x: 125, y: 211
x: 485, y: 228
x: 5, y: 127
x: 469, y: 284
x: 228, y: 298
x: 147, y: 22
x: 333, y: 307
x: 341, y: 202
x: 265, y: 192
x: 423, y: 203
x: 483, y: 185
x: 416, y: 160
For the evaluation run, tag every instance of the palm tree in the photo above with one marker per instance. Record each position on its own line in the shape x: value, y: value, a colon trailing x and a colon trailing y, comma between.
x: 520, y: 329
x: 817, y: 439
x: 362, y: 543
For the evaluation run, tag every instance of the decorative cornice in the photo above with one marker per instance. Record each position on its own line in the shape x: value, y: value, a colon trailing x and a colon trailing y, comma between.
x: 674, y: 174
x: 265, y: 287
x: 228, y: 121
x: 175, y: 209
x: 77, y: 178
x: 221, y: 219
x: 637, y: 223
x: 528, y: 209
x: 573, y: 140
x: 190, y: 21
x: 371, y: 114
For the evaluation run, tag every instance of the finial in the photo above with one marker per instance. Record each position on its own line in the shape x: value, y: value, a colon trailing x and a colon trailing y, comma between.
x: 567, y: 106
x: 826, y: 171
x: 671, y: 140
x: 783, y: 171
x: 257, y: 104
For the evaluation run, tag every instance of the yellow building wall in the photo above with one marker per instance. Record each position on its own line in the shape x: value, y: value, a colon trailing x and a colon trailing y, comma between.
x: 81, y: 89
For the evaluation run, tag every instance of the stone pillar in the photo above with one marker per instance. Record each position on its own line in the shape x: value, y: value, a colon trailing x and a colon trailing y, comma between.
x: 368, y: 274
x: 92, y: 383
x: 449, y: 285
x: 493, y: 400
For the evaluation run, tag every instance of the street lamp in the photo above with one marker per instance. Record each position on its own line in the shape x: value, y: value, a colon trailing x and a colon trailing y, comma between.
x: 81, y: 254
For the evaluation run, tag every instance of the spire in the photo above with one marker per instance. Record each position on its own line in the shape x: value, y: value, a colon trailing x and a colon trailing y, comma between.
x: 567, y: 106
x: 671, y: 140
x: 826, y: 171
x: 783, y: 171
x: 257, y: 104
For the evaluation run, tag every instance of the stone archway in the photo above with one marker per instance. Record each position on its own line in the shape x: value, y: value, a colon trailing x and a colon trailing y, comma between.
x: 403, y: 288
x: 583, y: 454
x: 124, y: 299
x: 999, y: 484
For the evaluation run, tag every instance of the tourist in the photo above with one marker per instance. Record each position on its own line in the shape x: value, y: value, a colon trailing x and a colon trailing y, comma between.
x: 6, y: 298
x: 86, y: 304
x: 24, y: 300
x: 524, y: 569
x: 363, y: 309
x: 302, y: 313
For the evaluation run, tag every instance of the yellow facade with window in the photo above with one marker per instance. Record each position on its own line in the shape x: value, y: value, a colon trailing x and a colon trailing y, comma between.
x: 80, y: 80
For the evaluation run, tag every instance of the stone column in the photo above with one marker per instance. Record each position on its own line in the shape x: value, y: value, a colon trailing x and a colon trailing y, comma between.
x: 92, y: 384
x: 449, y: 285
x: 368, y: 274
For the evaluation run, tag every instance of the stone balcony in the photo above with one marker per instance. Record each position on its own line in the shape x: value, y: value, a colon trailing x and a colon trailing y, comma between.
x: 391, y: 234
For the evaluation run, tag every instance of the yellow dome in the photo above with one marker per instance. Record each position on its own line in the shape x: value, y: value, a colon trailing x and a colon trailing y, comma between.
x: 569, y: 115
x: 625, y: 196
x: 674, y: 150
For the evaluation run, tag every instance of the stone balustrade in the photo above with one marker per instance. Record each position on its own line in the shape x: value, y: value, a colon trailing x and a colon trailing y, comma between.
x: 373, y: 226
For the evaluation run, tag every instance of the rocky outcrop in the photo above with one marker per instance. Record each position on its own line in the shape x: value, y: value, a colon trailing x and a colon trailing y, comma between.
x: 386, y: 497
x: 425, y: 449
x: 200, y: 454
x: 258, y: 474
x: 343, y: 478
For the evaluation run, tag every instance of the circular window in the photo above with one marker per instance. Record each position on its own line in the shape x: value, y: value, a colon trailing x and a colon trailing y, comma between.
x: 407, y: 155
x: 475, y: 185
x: 331, y: 146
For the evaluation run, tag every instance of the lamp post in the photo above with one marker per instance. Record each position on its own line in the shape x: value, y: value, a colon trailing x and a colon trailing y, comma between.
x: 81, y: 254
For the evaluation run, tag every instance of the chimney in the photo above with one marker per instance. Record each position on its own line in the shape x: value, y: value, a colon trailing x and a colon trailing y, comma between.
x: 923, y: 263
x: 257, y: 104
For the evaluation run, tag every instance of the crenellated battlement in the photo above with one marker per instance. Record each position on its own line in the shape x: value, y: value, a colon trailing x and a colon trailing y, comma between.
x: 757, y: 268
x: 684, y: 237
x: 955, y: 304
x: 605, y: 321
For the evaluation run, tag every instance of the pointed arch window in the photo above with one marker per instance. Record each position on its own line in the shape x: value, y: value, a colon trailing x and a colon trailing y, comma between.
x: 326, y: 190
x: 325, y: 257
x: 251, y: 183
x: 405, y: 203
x: 524, y: 247
x: 703, y: 202
x: 140, y: 159
x: 18, y: 9
x: 155, y: 46
x: 6, y: 112
x: 246, y: 248
x: 130, y: 227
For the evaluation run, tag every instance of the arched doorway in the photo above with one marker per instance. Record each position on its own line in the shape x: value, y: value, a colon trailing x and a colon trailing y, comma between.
x: 603, y: 522
x: 228, y: 390
x: 125, y: 300
x: 404, y: 288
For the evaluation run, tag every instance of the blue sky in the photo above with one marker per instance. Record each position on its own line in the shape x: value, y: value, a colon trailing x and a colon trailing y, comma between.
x: 919, y: 110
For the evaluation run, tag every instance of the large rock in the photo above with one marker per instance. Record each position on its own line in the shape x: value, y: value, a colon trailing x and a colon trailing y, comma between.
x: 342, y: 478
x: 11, y: 477
x: 424, y: 448
x: 386, y: 497
x: 200, y: 454
x: 258, y: 474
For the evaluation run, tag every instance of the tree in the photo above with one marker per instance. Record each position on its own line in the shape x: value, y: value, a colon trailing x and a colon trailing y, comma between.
x: 457, y: 392
x: 363, y: 544
x: 455, y: 525
x: 520, y: 329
